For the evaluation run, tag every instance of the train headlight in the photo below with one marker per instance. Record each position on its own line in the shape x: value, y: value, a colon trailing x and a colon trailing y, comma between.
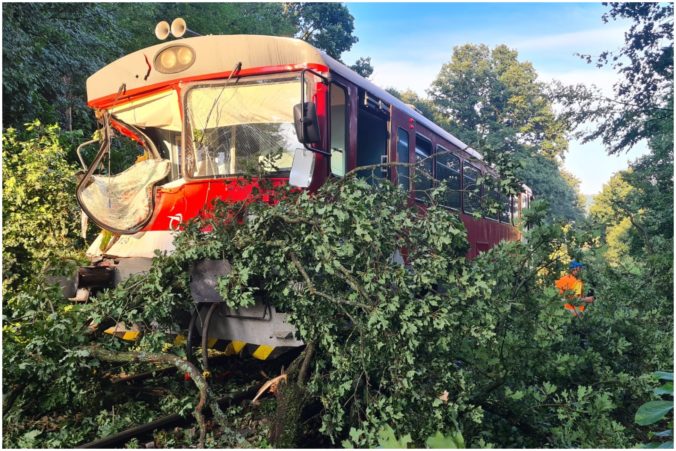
x: 168, y: 59
x: 174, y: 59
x: 185, y: 56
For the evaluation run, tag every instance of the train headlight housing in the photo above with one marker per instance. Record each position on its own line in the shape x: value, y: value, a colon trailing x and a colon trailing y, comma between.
x: 174, y: 59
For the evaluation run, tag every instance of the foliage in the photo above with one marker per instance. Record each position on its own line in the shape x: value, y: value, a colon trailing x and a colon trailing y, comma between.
x: 549, y: 182
x: 487, y: 93
x: 493, y: 102
x: 653, y: 412
x: 363, y: 67
x: 643, y: 195
x: 41, y: 363
x: 391, y: 339
x: 204, y: 18
x: 327, y: 26
x: 40, y: 214
x: 644, y: 95
x: 49, y: 49
x: 516, y: 368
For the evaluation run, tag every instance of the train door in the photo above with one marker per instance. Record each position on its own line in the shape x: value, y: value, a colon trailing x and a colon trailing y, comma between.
x: 402, y: 145
x: 340, y: 126
x: 373, y: 118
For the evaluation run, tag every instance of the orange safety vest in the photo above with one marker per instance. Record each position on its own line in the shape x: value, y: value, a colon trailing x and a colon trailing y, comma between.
x: 572, y: 288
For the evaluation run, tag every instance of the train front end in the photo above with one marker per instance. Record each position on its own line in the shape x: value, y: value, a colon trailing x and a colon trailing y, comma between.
x: 182, y: 124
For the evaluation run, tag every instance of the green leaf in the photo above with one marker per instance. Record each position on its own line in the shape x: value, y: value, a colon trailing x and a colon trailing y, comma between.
x: 387, y: 439
x: 438, y: 440
x: 666, y: 445
x: 666, y: 389
x: 665, y: 433
x: 664, y: 375
x: 652, y: 412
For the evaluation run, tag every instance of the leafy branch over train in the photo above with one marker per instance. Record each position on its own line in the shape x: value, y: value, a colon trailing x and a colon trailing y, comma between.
x: 303, y: 215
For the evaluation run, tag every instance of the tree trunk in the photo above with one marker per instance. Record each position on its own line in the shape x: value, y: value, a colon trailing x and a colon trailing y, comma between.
x: 291, y: 398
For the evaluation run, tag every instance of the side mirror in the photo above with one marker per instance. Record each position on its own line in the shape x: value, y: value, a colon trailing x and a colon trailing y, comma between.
x: 307, y: 125
x: 302, y: 168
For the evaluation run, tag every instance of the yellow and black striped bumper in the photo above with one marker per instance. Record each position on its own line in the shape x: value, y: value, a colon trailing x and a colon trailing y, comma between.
x: 227, y: 347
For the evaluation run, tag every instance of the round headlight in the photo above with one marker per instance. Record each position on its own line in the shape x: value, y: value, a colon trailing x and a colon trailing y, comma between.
x: 168, y: 59
x: 184, y: 55
x: 174, y: 59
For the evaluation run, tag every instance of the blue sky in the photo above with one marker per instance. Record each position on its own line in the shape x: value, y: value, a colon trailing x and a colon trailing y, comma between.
x: 409, y: 42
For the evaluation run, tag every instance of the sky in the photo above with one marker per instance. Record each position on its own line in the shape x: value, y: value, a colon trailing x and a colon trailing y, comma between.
x: 409, y: 42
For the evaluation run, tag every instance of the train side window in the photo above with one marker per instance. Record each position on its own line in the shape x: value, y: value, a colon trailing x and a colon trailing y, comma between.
x: 338, y: 129
x: 402, y: 157
x: 494, y: 206
x: 448, y: 169
x: 372, y: 138
x: 423, y: 167
x: 506, y: 213
x: 516, y: 213
x: 471, y: 195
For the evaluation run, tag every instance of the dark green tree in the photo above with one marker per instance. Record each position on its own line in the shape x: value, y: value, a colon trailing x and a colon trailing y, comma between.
x: 644, y: 96
x: 363, y: 67
x: 489, y: 94
x: 327, y: 26
x: 642, y: 108
x: 493, y: 102
x: 49, y: 49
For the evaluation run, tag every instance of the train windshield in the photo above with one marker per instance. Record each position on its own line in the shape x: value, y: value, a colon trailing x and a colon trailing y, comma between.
x: 159, y: 117
x: 140, y: 150
x: 241, y: 127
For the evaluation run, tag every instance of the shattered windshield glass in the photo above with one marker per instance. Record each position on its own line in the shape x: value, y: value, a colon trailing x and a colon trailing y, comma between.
x: 239, y: 127
x: 116, y: 191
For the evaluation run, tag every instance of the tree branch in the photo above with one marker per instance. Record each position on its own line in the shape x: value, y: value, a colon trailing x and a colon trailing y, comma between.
x: 311, y: 288
x: 179, y: 363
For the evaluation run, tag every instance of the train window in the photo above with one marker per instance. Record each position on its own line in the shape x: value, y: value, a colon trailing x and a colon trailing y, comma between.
x: 402, y: 157
x: 506, y: 213
x: 371, y: 144
x: 448, y: 170
x: 159, y: 117
x: 117, y: 192
x: 241, y: 127
x: 493, y: 205
x: 471, y: 195
x: 338, y: 129
x: 423, y: 167
x: 516, y: 214
x: 169, y: 145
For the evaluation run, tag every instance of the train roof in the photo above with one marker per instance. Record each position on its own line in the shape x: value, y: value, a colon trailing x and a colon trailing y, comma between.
x: 385, y: 96
x: 218, y: 54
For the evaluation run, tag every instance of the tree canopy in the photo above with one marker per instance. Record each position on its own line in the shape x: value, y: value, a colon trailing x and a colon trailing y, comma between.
x: 643, y: 97
x: 51, y: 48
x: 493, y: 102
x: 489, y: 96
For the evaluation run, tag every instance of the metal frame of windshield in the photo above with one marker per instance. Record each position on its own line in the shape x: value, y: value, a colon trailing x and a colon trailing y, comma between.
x: 106, y: 139
x: 187, y: 126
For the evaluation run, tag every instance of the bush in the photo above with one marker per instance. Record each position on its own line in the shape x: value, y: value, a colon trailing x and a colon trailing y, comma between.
x: 40, y: 215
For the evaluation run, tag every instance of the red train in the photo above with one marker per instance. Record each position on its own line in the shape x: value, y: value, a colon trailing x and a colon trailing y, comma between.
x: 181, y: 117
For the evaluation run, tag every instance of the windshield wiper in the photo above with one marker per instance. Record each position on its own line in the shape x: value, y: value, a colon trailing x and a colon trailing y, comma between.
x: 237, y: 68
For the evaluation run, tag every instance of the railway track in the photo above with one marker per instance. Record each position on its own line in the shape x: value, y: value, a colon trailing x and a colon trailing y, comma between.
x: 139, y: 431
x: 253, y: 371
